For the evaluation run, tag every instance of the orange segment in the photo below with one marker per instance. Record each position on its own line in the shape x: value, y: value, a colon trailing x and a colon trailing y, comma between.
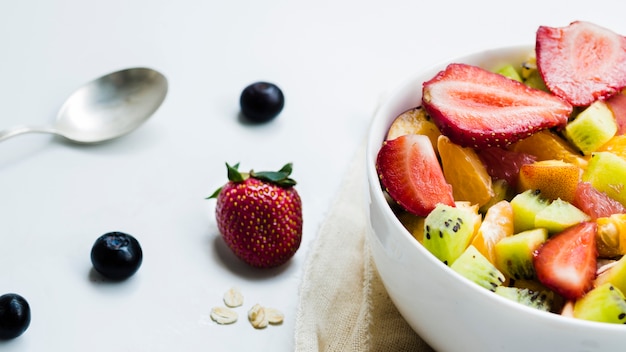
x: 497, y: 224
x: 547, y: 145
x: 615, y: 145
x: 465, y: 172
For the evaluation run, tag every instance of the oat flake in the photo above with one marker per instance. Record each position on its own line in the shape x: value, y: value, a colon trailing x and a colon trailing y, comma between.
x: 223, y: 315
x: 233, y: 297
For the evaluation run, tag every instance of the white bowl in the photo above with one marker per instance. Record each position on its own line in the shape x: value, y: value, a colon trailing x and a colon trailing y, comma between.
x: 449, y: 312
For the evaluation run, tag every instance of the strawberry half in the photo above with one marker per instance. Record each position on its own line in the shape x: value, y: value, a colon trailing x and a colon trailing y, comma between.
x: 566, y: 263
x: 410, y: 173
x: 582, y: 62
x: 478, y: 108
x: 259, y: 215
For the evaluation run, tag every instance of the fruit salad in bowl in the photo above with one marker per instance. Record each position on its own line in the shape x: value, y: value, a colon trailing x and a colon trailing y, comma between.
x: 497, y: 201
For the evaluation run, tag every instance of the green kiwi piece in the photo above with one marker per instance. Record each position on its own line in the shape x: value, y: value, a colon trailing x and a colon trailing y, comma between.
x: 448, y: 231
x: 592, y: 127
x: 615, y: 275
x: 509, y: 71
x: 529, y: 66
x: 559, y: 215
x: 525, y: 206
x: 605, y: 303
x: 475, y: 267
x: 514, y: 254
x: 530, y: 74
x: 534, y: 80
x: 606, y: 172
x: 542, y: 300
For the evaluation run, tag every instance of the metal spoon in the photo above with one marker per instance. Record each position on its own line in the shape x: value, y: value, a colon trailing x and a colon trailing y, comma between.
x: 105, y: 108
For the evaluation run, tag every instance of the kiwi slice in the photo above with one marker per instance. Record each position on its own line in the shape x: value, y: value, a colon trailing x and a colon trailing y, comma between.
x: 475, y: 267
x: 615, y: 275
x: 529, y: 66
x: 559, y: 215
x: 592, y: 127
x: 448, y: 231
x: 526, y: 205
x: 534, y: 80
x: 509, y: 71
x: 514, y: 254
x: 542, y: 300
x: 530, y: 74
x: 606, y: 172
x: 605, y: 303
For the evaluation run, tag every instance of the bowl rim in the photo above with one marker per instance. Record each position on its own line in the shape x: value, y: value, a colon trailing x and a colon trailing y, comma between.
x: 380, y: 123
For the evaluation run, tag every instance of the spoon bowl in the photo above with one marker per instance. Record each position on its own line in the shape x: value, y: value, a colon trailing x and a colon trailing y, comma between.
x: 105, y: 108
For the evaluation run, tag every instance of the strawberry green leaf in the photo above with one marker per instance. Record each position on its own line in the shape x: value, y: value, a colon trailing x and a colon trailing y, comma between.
x: 215, y: 194
x: 276, y: 177
x: 287, y: 169
x: 233, y: 173
x: 280, y: 178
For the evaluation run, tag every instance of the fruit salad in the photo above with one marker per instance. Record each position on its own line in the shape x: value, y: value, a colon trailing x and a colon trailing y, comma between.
x: 515, y: 176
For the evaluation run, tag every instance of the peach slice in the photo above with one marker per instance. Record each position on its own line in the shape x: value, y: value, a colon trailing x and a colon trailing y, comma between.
x: 414, y: 121
x: 554, y: 178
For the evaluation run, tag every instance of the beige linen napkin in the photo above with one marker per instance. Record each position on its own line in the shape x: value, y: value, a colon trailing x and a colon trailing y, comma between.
x: 343, y: 303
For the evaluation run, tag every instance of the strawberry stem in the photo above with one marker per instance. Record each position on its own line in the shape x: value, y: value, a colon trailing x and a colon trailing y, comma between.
x: 280, y: 178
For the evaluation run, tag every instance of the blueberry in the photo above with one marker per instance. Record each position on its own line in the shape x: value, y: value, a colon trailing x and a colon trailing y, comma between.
x: 14, y: 316
x: 116, y: 255
x: 261, y: 101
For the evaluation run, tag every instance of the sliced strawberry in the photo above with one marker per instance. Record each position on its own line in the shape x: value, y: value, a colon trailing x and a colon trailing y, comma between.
x: 566, y: 263
x: 504, y: 164
x: 410, y: 173
x: 617, y: 104
x: 478, y: 108
x: 595, y: 203
x: 582, y: 62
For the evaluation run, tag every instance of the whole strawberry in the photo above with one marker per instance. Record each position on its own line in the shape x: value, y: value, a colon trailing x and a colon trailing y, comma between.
x: 259, y: 215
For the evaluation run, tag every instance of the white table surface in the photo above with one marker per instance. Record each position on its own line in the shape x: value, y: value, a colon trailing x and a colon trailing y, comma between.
x: 334, y: 60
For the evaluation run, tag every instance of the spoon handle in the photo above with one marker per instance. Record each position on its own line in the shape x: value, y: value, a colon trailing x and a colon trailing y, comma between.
x: 18, y: 130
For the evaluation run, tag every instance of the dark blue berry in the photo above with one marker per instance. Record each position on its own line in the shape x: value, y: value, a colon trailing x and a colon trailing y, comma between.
x: 116, y: 255
x: 261, y: 101
x: 14, y: 316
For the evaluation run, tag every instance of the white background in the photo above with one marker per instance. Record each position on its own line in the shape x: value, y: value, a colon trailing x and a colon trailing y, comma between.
x: 334, y: 61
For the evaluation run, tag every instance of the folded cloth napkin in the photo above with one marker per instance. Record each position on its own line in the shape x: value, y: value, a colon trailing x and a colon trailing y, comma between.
x: 343, y: 304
